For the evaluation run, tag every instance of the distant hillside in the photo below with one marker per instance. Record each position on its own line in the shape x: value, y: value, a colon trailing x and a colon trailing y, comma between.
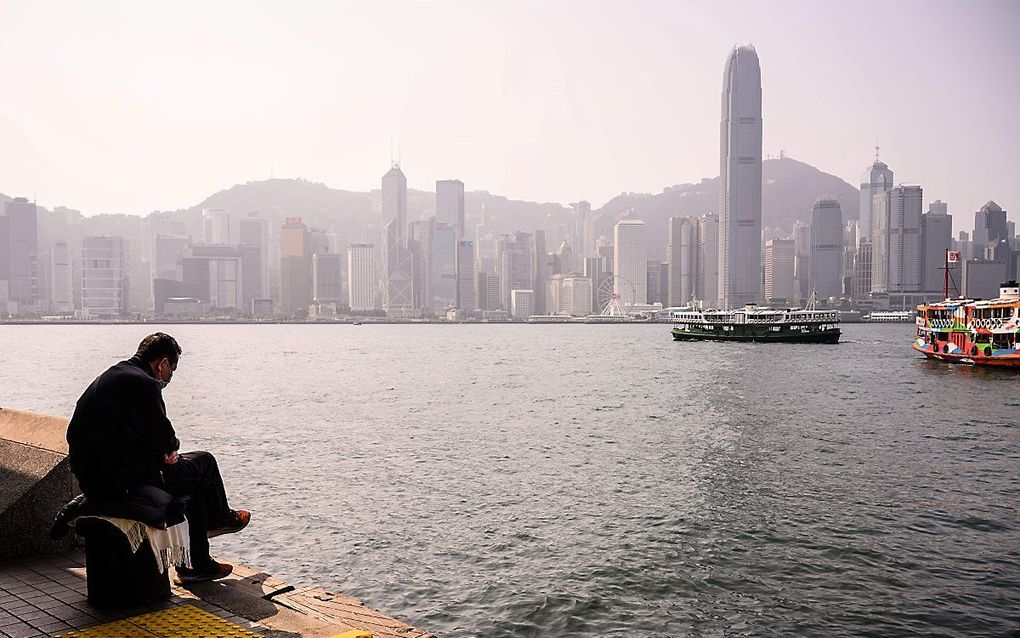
x: 351, y: 213
x: 790, y: 190
x: 788, y: 195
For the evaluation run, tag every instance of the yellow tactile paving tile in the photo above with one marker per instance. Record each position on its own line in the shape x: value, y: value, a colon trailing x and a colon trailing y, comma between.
x: 185, y: 621
x: 118, y: 629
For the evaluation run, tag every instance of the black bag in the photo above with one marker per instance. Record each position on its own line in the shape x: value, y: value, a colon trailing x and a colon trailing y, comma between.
x: 116, y: 577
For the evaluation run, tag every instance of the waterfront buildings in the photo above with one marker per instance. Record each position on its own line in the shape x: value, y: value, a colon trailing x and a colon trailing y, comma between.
x: 398, y: 261
x: 255, y: 232
x: 896, y: 260
x: 442, y: 267
x: 780, y: 287
x: 295, y: 289
x: 980, y: 278
x: 653, y: 280
x: 990, y: 224
x: 489, y: 294
x: 589, y: 229
x: 681, y: 260
x: 467, y: 299
x: 517, y: 266
x: 327, y: 278
x: 104, y: 277
x: 5, y: 268
x: 522, y: 303
x: 226, y: 277
x: 802, y: 261
x: 450, y: 205
x: 361, y: 277
x: 23, y: 252
x: 215, y: 226
x: 569, y: 295
x: 630, y: 259
x: 877, y: 179
x: 826, y: 256
x: 62, y: 299
x: 707, y: 242
x: 936, y: 240
x: 740, y: 181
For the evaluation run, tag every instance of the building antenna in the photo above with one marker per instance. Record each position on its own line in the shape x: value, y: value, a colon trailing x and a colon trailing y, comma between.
x: 876, y: 149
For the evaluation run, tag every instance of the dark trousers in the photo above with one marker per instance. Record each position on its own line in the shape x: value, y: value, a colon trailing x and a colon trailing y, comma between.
x: 196, y: 474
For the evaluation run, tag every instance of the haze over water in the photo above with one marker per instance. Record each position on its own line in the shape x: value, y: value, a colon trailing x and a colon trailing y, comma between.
x: 553, y: 480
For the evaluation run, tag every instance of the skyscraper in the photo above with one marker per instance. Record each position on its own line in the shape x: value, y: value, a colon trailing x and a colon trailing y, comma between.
x: 63, y: 289
x: 740, y: 181
x: 361, y: 277
x: 876, y: 180
x: 398, y: 260
x: 217, y: 273
x: 466, y: 281
x: 450, y: 205
x: 936, y: 239
x: 23, y: 238
x: 5, y: 265
x: 255, y: 232
x: 516, y: 265
x: 589, y: 229
x: 707, y: 244
x: 990, y: 224
x: 327, y: 278
x: 896, y: 257
x: 295, y: 267
x: 541, y: 271
x: 630, y: 258
x: 779, y: 281
x: 442, y: 268
x: 216, y: 226
x: 826, y: 257
x: 681, y: 257
x: 394, y: 198
x: 104, y: 279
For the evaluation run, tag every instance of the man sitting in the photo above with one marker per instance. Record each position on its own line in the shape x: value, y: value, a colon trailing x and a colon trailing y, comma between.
x: 120, y: 439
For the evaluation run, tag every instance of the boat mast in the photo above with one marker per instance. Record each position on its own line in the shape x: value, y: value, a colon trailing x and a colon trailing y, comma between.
x: 947, y: 277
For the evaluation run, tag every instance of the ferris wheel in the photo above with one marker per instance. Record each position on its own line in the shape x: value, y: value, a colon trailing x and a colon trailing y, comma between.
x: 612, y: 295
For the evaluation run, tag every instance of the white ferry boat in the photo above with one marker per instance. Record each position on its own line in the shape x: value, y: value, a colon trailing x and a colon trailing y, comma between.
x: 755, y: 323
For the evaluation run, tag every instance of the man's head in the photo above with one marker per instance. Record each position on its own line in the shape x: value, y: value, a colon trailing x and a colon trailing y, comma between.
x: 161, y: 353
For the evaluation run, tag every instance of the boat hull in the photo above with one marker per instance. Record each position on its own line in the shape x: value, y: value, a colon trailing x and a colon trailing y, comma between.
x: 999, y: 361
x: 820, y: 336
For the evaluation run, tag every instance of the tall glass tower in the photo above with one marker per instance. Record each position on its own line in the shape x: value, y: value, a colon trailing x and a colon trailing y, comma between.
x: 740, y: 181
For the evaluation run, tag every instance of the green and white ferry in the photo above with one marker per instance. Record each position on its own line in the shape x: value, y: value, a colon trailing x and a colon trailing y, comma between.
x: 755, y: 323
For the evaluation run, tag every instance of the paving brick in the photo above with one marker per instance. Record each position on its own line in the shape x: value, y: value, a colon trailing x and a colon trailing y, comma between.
x: 22, y: 631
x: 34, y: 614
x: 54, y: 627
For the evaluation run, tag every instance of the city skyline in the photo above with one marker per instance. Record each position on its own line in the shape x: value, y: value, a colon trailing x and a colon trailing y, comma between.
x: 134, y: 138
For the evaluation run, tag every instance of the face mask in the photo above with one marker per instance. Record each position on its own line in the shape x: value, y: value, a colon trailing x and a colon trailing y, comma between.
x: 163, y: 384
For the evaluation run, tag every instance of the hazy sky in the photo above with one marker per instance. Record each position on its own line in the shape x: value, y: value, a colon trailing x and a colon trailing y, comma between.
x: 134, y: 106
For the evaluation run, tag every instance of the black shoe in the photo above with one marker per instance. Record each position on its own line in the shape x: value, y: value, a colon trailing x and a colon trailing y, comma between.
x: 213, y: 571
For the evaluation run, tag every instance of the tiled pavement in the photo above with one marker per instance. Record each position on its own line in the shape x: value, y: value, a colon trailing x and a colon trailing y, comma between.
x: 45, y: 596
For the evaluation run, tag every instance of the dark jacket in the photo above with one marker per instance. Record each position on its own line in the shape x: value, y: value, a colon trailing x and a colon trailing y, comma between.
x: 148, y: 504
x: 119, y: 432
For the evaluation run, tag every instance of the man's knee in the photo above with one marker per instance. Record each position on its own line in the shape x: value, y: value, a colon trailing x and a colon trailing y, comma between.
x: 205, y: 461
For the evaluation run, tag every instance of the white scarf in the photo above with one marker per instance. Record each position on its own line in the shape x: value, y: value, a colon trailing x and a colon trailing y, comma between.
x: 170, y: 546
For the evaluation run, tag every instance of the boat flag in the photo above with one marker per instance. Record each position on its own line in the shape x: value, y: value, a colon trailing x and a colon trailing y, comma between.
x: 952, y: 256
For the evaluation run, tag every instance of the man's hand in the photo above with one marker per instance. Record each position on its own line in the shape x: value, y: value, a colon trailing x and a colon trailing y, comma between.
x: 170, y: 459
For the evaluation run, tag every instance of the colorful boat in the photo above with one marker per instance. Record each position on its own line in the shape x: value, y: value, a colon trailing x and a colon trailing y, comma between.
x: 978, y: 332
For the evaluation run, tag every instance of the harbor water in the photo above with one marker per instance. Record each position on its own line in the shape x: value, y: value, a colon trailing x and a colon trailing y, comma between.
x: 583, y: 480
